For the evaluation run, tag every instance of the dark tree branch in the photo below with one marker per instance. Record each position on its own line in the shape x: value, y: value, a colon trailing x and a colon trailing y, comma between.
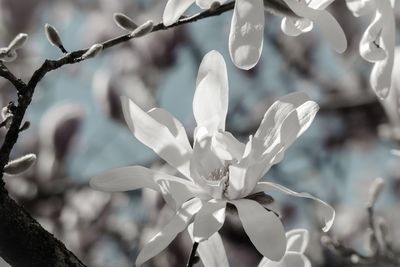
x: 5, y: 73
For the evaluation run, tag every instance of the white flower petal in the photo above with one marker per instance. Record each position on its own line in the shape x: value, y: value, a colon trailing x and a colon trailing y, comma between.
x: 370, y: 45
x: 291, y: 259
x: 178, y: 224
x: 360, y: 7
x: 211, y: 251
x: 324, y: 20
x: 328, y: 213
x: 156, y: 136
x: 209, y: 220
x: 126, y: 179
x: 210, y: 102
x: 227, y: 146
x: 137, y: 177
x: 297, y: 122
x: 381, y: 74
x: 173, y: 125
x: 320, y: 4
x: 295, y: 27
x: 277, y: 113
x: 297, y: 240
x: 174, y: 10
x: 264, y: 228
x: 246, y: 34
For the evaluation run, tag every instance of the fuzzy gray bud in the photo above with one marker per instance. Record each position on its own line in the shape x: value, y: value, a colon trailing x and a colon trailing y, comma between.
x: 20, y: 165
x: 143, y: 29
x: 93, y: 51
x: 53, y: 37
x: 18, y: 42
x: 7, y: 55
x: 124, y: 22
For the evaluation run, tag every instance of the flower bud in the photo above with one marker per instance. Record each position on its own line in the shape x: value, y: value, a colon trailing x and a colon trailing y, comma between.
x: 215, y: 5
x: 93, y: 51
x: 53, y: 37
x: 18, y: 42
x: 7, y: 117
x: 20, y: 165
x: 124, y: 22
x: 374, y: 191
x: 143, y: 29
x: 7, y: 55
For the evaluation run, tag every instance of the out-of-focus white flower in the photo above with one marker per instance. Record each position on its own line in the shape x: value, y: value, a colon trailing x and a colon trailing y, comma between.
x: 378, y: 41
x: 313, y: 11
x: 297, y: 241
x: 57, y: 130
x: 219, y: 169
x: 247, y: 26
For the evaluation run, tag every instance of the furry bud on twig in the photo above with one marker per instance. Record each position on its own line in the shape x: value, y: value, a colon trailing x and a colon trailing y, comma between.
x: 143, y: 29
x: 20, y: 165
x: 53, y: 37
x: 374, y: 191
x: 18, y: 42
x: 7, y: 117
x: 124, y: 22
x: 7, y: 55
x: 93, y: 51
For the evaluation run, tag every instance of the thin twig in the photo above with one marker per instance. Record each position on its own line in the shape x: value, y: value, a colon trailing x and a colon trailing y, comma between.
x: 192, y: 259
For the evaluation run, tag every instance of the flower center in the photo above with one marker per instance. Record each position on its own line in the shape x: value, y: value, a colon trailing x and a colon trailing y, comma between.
x: 220, y: 179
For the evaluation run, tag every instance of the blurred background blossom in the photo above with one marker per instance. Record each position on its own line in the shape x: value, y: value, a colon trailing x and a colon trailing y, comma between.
x: 77, y: 129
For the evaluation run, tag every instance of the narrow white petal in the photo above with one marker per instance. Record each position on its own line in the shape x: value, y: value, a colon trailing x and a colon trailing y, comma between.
x: 297, y: 240
x: 175, y: 190
x: 371, y: 48
x: 173, y: 125
x: 277, y: 113
x: 210, y: 102
x: 126, y: 179
x: 174, y: 10
x: 246, y: 34
x: 227, y: 146
x: 209, y: 220
x: 297, y: 122
x: 324, y: 20
x: 178, y: 224
x: 381, y: 74
x: 264, y: 228
x: 211, y: 251
x: 328, y: 213
x: 156, y: 136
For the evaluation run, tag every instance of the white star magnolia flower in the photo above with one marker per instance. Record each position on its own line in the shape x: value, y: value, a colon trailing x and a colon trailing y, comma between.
x: 378, y: 41
x: 247, y: 26
x: 297, y: 241
x: 218, y: 169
